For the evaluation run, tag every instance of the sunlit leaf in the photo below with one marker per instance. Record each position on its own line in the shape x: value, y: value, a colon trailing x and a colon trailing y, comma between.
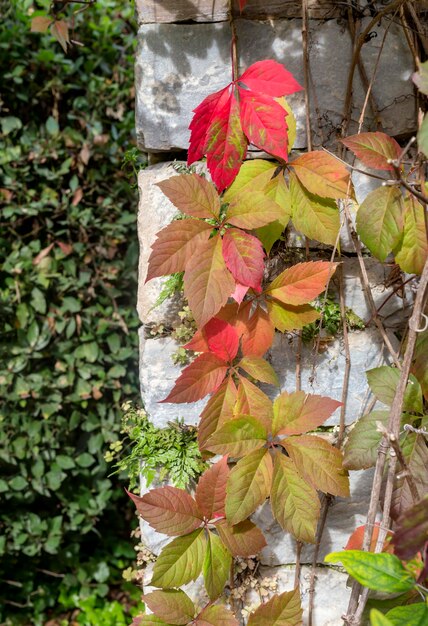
x: 207, y: 281
x: 316, y: 217
x: 411, y: 615
x: 171, y: 605
x: 243, y: 539
x: 222, y: 339
x: 244, y: 257
x: 218, y: 409
x: 374, y: 149
x: 169, y: 510
x: 216, y: 567
x: 380, y: 220
x: 264, y: 123
x: 259, y: 333
x: 301, y: 283
x: 322, y: 174
x: 379, y: 619
x: 380, y: 572
x: 363, y: 441
x: 271, y: 78
x: 238, y: 436
x: 180, y: 561
x: 248, y: 485
x: 259, y: 369
x: 203, y: 376
x: 216, y: 615
x: 201, y: 121
x: 319, y: 462
x: 412, y: 251
x: 252, y: 401
x: 383, y: 382
x: 174, y: 246
x: 298, y: 412
x: 295, y: 503
x: 192, y: 194
x: 281, y: 610
x: 253, y: 209
x: 287, y: 317
x: 254, y: 175
x: 210, y: 493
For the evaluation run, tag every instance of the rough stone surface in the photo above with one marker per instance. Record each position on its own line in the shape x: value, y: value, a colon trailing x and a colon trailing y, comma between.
x: 367, y: 352
x: 157, y: 377
x: 177, y: 66
x: 331, y: 593
x: 344, y: 516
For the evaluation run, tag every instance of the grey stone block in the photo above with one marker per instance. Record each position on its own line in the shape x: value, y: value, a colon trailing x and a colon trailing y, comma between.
x: 344, y: 516
x: 327, y: 368
x: 157, y: 377
x: 177, y: 66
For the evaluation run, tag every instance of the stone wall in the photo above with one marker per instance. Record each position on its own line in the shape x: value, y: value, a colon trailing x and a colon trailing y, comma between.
x: 179, y: 64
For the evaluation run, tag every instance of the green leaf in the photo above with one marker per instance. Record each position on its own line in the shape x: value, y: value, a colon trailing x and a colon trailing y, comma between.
x: 216, y: 567
x: 295, y: 503
x: 410, y: 615
x: 259, y: 369
x: 415, y: 452
x: 420, y: 78
x: 423, y: 136
x: 363, y: 441
x: 287, y: 317
x: 52, y: 126
x: 281, y: 610
x: 317, y: 218
x: 9, y: 124
x: 171, y: 605
x: 248, y: 485
x: 238, y: 436
x: 412, y: 250
x: 383, y: 382
x: 38, y: 301
x: 380, y: 572
x: 380, y: 220
x: 378, y: 619
x: 180, y: 561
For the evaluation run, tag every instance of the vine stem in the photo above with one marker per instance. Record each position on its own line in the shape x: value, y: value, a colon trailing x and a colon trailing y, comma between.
x: 358, y: 598
x: 233, y: 44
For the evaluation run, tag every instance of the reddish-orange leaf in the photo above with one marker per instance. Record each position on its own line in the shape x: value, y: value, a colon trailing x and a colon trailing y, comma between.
x: 203, y: 376
x: 169, y: 510
x: 322, y: 174
x: 201, y: 122
x: 59, y: 30
x: 244, y: 256
x: 299, y: 412
x: 192, y: 194
x: 259, y: 333
x: 218, y: 410
x: 174, y: 246
x: 259, y: 369
x: 319, y: 462
x: 226, y: 144
x: 243, y: 539
x: 207, y: 281
x: 222, y: 339
x: 301, y: 283
x: 242, y: 4
x: 211, y: 490
x: 198, y: 342
x: 374, y: 149
x: 263, y: 122
x: 355, y: 541
x: 270, y: 78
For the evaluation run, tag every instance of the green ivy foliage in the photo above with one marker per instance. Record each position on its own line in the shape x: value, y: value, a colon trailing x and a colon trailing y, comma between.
x: 68, y: 257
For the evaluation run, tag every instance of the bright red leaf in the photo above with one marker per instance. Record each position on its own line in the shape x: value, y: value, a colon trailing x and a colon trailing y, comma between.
x: 222, y: 339
x: 263, y: 122
x: 203, y: 376
x: 200, y: 124
x: 226, y: 144
x: 271, y: 78
x: 244, y: 256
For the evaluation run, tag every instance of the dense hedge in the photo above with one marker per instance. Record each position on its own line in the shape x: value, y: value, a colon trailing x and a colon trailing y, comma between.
x: 68, y: 354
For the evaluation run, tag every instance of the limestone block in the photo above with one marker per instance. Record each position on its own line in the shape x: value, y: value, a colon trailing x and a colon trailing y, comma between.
x: 344, y: 516
x: 331, y: 593
x: 327, y: 368
x: 157, y: 377
x: 177, y: 66
x: 155, y: 212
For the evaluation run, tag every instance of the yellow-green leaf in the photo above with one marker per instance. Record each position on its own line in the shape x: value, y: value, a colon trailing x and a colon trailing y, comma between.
x: 216, y: 566
x: 180, y: 561
x: 412, y: 251
x: 248, y: 485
